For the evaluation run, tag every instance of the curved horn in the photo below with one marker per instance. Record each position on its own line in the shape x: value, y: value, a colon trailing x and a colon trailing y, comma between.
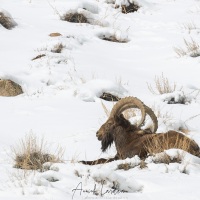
x: 129, y: 102
x: 152, y: 115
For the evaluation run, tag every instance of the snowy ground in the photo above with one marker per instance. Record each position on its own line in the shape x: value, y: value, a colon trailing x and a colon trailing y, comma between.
x: 61, y: 94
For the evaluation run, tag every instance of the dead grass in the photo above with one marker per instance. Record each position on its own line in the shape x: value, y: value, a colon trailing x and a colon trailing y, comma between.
x: 19, y: 179
x: 77, y: 173
x: 143, y: 164
x: 127, y: 166
x: 191, y: 47
x: 31, y: 153
x: 113, y: 39
x: 166, y: 116
x: 185, y: 129
x: 190, y: 26
x: 6, y: 21
x: 129, y: 113
x: 125, y: 9
x: 162, y: 85
x: 106, y: 110
x: 74, y: 18
x: 39, y: 56
x: 166, y: 159
x: 132, y: 7
x: 75, y: 158
x: 57, y: 48
x: 192, y: 117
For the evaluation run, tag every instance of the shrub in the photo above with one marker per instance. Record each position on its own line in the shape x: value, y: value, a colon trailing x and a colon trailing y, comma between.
x: 74, y: 18
x: 113, y: 38
x: 192, y: 48
x: 132, y: 7
x: 178, y: 97
x: 165, y: 158
x: 31, y: 153
x: 127, y: 166
x: 127, y: 6
x: 57, y: 48
x: 162, y: 86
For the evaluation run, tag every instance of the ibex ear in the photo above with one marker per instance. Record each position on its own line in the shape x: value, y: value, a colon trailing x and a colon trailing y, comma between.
x: 121, y: 121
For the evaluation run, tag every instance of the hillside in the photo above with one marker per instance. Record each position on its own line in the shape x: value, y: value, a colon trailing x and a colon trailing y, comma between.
x: 64, y: 68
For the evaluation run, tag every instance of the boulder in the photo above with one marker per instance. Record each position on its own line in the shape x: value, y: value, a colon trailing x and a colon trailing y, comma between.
x: 6, y: 20
x: 55, y: 34
x: 9, y: 88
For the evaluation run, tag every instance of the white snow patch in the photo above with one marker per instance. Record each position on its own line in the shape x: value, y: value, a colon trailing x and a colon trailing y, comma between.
x: 93, y: 89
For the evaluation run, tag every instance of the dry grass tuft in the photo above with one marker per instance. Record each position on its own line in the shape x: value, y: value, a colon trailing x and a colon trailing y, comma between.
x: 191, y: 47
x: 74, y: 18
x: 142, y: 164
x: 164, y: 158
x: 31, y: 153
x: 129, y: 113
x: 57, y: 48
x: 77, y: 173
x: 162, y: 86
x: 106, y: 110
x: 166, y: 116
x: 190, y: 26
x: 132, y: 7
x: 125, y: 9
x: 127, y: 166
x: 113, y: 39
x: 39, y: 56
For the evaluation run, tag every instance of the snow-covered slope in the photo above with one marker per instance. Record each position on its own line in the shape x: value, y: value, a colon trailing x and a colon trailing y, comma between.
x: 61, y: 92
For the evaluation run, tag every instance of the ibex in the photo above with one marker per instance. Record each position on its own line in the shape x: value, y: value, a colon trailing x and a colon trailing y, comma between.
x: 131, y: 140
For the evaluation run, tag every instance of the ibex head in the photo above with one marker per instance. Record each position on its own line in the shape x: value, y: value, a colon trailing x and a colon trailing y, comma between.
x: 105, y: 129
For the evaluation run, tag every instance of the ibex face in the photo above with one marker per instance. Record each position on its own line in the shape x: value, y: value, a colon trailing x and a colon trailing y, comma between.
x: 105, y: 129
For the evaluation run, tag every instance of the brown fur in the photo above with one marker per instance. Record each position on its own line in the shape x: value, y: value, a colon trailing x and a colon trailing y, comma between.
x: 131, y: 140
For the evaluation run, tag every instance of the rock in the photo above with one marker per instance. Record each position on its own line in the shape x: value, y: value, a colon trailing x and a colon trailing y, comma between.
x: 9, y: 88
x: 109, y: 97
x: 6, y: 20
x: 55, y: 34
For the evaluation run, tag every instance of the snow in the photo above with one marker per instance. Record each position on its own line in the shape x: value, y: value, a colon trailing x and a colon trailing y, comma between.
x: 93, y: 89
x: 61, y: 95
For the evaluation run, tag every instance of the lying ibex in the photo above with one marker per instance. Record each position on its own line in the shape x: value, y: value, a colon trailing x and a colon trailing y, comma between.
x: 131, y: 140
